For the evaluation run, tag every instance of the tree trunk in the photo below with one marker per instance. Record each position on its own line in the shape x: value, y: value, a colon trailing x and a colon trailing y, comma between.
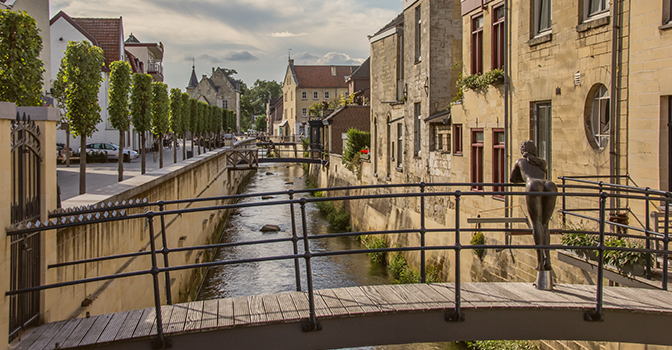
x: 192, y: 143
x: 160, y: 151
x: 184, y: 146
x: 82, y: 165
x: 142, y: 153
x: 122, y: 141
x: 67, y: 152
x: 198, y: 141
x: 174, y: 148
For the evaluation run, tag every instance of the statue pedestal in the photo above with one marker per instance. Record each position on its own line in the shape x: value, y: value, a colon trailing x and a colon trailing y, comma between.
x: 544, y: 280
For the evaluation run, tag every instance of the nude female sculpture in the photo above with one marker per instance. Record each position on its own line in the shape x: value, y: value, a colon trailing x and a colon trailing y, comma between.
x: 532, y: 171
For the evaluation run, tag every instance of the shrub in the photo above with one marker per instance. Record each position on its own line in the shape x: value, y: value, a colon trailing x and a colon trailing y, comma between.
x: 478, y: 239
x: 502, y: 345
x: 376, y: 243
x: 403, y: 274
x: 356, y: 140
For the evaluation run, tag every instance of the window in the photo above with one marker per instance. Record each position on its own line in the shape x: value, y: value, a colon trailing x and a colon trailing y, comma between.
x: 498, y: 148
x: 457, y: 139
x: 667, y: 12
x: 400, y: 142
x: 291, y: 96
x: 304, y: 95
x: 418, y: 35
x: 595, y: 7
x: 477, y: 158
x: 400, y: 67
x: 498, y: 38
x: 541, y: 132
x: 226, y: 104
x: 477, y: 45
x: 441, y: 138
x: 326, y: 95
x: 542, y: 16
x: 597, y: 116
x: 316, y: 95
x: 417, y: 124
x: 304, y: 112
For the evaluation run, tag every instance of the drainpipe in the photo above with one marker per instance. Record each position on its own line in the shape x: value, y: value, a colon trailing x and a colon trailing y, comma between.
x: 507, y: 129
x: 614, y: 154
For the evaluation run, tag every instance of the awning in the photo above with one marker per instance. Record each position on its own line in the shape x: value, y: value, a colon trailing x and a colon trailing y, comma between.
x: 284, y: 122
x: 444, y: 115
x: 395, y: 120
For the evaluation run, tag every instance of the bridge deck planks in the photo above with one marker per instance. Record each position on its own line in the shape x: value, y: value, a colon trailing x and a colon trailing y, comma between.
x: 289, y: 307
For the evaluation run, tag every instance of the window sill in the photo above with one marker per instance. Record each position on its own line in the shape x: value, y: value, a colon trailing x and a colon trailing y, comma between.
x: 592, y: 23
x: 399, y: 169
x: 667, y: 26
x: 458, y: 154
x: 540, y: 39
x: 418, y: 61
x: 498, y: 198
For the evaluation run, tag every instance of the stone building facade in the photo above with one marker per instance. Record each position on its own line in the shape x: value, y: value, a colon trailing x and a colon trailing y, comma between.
x: 218, y: 90
x: 306, y: 85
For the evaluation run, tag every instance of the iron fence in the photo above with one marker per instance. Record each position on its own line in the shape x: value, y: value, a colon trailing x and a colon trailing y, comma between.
x: 300, y: 234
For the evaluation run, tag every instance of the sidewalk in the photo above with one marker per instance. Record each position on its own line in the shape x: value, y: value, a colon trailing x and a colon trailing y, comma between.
x: 102, y: 175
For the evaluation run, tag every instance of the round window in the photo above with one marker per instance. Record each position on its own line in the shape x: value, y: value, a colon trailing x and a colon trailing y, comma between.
x: 597, y: 116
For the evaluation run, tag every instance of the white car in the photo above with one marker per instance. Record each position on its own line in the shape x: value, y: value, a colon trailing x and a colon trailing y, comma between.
x: 112, y: 150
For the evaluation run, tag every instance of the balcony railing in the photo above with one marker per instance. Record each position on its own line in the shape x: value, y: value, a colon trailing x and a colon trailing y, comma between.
x: 154, y: 67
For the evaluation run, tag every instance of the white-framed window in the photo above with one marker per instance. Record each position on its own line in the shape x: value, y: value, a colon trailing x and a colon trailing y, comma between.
x: 316, y: 95
x: 595, y: 7
x: 304, y: 112
x: 542, y: 16
x: 326, y: 95
x: 598, y: 116
x: 304, y: 95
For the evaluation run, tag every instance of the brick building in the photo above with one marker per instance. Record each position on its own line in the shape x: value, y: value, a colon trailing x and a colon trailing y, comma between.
x: 337, y: 124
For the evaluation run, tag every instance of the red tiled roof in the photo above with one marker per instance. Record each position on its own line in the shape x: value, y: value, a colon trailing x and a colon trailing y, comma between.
x: 107, y: 32
x: 320, y: 76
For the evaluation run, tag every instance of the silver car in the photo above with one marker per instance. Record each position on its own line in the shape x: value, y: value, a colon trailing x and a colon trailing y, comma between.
x: 112, y: 150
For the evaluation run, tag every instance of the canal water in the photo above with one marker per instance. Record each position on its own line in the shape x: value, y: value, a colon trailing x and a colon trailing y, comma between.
x: 278, y: 276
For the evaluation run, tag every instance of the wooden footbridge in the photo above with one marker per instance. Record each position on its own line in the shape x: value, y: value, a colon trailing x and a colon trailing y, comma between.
x: 367, y: 315
x: 370, y: 315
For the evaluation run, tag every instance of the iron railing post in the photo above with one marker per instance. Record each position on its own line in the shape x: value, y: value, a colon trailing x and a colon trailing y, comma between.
x: 295, y: 240
x: 423, y: 231
x: 312, y: 324
x: 165, y: 251
x: 564, y: 204
x: 596, y: 315
x: 666, y: 240
x: 161, y: 341
x: 648, y: 235
x: 456, y: 315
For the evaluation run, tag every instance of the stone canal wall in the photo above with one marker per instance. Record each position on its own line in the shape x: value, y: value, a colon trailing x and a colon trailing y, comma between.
x: 199, y: 177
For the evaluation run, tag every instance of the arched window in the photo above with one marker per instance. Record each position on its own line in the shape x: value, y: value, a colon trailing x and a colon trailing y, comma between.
x: 598, y: 116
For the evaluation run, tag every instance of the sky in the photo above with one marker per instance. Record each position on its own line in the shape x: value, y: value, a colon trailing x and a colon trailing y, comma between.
x: 251, y: 36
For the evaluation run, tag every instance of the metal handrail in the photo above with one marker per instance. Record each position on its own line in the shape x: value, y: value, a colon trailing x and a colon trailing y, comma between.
x: 419, y: 191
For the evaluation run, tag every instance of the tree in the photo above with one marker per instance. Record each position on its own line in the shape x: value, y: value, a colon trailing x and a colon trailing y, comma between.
x: 260, y: 123
x: 160, y: 108
x: 141, y: 110
x: 186, y: 122
x: 80, y: 80
x: 20, y: 67
x: 193, y: 121
x: 58, y: 93
x: 175, y: 118
x: 120, y: 86
x: 261, y: 92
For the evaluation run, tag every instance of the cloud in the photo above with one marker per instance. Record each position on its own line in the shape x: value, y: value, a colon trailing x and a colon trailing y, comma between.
x: 240, y: 56
x: 286, y: 34
x: 331, y: 58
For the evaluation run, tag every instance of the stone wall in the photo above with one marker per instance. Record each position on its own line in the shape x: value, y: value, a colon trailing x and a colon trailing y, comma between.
x: 199, y: 177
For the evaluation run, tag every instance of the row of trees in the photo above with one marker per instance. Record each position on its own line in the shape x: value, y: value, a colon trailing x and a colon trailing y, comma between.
x: 133, y: 100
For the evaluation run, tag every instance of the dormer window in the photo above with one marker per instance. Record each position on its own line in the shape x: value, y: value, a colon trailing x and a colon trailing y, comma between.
x: 333, y: 71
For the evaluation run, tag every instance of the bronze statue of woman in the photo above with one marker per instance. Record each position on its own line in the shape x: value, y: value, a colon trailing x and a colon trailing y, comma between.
x: 532, y: 171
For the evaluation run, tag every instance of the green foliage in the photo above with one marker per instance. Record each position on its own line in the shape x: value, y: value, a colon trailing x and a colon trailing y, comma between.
x: 477, y: 82
x: 502, y: 345
x: 20, y: 67
x: 186, y: 113
x: 356, y: 141
x: 622, y: 259
x: 193, y: 120
x: 315, y: 109
x: 478, y: 239
x: 260, y: 93
x: 141, y: 102
x: 160, y: 108
x: 374, y: 242
x: 120, y: 86
x: 260, y: 123
x: 176, y: 111
x: 337, y: 217
x: 403, y: 274
x: 80, y: 82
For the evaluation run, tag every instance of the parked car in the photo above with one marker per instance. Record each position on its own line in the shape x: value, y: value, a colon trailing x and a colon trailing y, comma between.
x: 111, y: 150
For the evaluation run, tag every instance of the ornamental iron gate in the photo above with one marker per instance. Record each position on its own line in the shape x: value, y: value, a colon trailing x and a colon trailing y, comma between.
x: 25, y: 248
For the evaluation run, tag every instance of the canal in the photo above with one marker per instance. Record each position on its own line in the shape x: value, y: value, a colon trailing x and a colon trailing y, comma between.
x: 278, y: 276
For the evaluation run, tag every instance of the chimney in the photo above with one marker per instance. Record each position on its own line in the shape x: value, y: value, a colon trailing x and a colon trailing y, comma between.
x: 291, y: 61
x: 213, y: 70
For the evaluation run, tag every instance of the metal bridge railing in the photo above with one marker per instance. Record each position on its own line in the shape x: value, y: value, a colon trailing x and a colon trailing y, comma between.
x: 418, y: 191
